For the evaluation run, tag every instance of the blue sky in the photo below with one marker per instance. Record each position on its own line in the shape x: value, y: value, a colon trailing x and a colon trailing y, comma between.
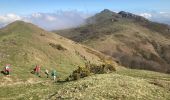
x: 60, y: 14
x: 31, y: 6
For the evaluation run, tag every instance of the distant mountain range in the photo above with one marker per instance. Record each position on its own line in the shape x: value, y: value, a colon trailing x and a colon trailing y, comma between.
x: 131, y: 40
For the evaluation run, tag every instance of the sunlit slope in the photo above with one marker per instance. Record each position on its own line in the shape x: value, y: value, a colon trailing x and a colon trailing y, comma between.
x: 132, y: 40
x: 23, y: 45
x: 124, y: 84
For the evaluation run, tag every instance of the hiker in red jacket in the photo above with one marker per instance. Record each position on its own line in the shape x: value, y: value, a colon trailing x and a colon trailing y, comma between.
x: 37, y: 70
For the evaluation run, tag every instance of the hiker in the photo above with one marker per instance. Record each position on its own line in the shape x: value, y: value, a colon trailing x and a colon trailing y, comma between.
x: 54, y: 74
x: 6, y: 69
x: 47, y: 73
x: 37, y: 70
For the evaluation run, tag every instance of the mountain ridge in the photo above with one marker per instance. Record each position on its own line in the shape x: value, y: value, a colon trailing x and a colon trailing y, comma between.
x: 133, y: 40
x: 24, y: 45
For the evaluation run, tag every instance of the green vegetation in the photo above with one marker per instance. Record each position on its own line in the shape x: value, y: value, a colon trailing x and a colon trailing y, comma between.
x: 124, y: 84
x: 131, y: 40
x: 57, y: 46
x: 24, y: 45
x: 89, y: 69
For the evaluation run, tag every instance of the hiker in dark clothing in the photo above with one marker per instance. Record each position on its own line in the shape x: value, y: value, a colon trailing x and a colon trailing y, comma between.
x: 47, y: 73
x: 6, y: 70
x: 54, y: 74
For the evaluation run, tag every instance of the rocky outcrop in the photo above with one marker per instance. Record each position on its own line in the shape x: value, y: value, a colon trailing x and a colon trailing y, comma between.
x: 132, y: 16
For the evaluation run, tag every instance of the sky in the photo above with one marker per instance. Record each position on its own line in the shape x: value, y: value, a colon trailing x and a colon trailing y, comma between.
x: 60, y: 14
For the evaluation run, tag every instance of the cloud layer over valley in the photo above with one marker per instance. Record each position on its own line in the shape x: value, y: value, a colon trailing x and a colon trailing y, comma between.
x: 49, y: 21
x: 68, y: 19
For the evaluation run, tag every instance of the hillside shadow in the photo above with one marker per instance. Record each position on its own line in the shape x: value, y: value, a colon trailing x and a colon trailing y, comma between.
x: 61, y: 81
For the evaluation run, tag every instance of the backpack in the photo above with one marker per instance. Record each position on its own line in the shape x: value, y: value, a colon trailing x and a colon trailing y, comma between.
x: 54, y: 73
x: 7, y: 68
x: 37, y: 69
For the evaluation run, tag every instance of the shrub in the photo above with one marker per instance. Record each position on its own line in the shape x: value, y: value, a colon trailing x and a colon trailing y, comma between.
x: 82, y: 72
x: 57, y: 46
x: 42, y: 34
x: 79, y: 73
x: 101, y: 69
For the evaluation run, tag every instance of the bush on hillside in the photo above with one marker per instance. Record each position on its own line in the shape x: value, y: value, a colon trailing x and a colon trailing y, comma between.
x: 101, y: 69
x: 42, y: 34
x: 89, y: 69
x: 79, y: 73
x: 57, y: 46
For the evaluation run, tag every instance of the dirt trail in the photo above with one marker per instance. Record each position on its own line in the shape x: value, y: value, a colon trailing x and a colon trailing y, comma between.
x: 7, y: 81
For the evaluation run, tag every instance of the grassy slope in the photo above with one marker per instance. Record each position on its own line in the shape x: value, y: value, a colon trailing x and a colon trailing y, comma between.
x: 27, y: 48
x: 24, y: 45
x: 126, y: 39
x: 124, y: 84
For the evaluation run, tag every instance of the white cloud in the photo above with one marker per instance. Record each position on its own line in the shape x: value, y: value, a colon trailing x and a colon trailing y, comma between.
x: 162, y: 17
x: 50, y: 18
x: 156, y: 16
x: 36, y: 15
x: 165, y: 14
x: 68, y: 19
x: 162, y: 12
x: 146, y: 15
x: 4, y: 19
x: 50, y: 21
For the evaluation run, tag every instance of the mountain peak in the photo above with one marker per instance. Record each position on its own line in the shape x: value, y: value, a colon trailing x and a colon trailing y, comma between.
x: 103, y: 16
x: 106, y: 11
x: 132, y: 16
x: 21, y: 26
x: 19, y: 23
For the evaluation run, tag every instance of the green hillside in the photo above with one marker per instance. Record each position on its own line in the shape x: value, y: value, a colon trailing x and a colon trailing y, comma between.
x: 24, y: 45
x: 124, y: 84
x: 132, y: 40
